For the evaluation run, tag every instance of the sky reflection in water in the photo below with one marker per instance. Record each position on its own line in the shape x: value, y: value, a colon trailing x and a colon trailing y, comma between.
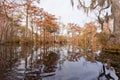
x: 50, y: 63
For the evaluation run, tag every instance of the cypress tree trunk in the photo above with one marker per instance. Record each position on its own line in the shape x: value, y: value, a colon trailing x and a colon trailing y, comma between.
x: 115, y: 37
x: 116, y: 15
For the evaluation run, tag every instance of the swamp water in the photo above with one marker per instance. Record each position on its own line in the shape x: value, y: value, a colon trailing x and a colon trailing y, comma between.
x: 56, y: 63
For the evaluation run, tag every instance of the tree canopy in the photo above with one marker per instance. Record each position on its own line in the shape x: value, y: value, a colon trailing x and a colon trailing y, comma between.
x: 100, y: 6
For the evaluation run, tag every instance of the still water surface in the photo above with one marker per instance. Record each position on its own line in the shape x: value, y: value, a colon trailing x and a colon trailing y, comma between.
x: 54, y: 63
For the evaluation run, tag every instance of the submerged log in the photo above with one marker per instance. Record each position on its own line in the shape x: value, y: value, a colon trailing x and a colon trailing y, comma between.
x: 111, y: 50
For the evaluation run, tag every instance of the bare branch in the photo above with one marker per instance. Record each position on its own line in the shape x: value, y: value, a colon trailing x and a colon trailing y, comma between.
x: 72, y: 2
x: 108, y: 5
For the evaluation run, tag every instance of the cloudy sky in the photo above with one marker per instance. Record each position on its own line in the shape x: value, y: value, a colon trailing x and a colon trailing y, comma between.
x: 65, y: 12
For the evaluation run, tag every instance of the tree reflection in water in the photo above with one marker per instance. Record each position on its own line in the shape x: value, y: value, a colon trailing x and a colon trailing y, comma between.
x: 48, y: 62
x: 113, y: 59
